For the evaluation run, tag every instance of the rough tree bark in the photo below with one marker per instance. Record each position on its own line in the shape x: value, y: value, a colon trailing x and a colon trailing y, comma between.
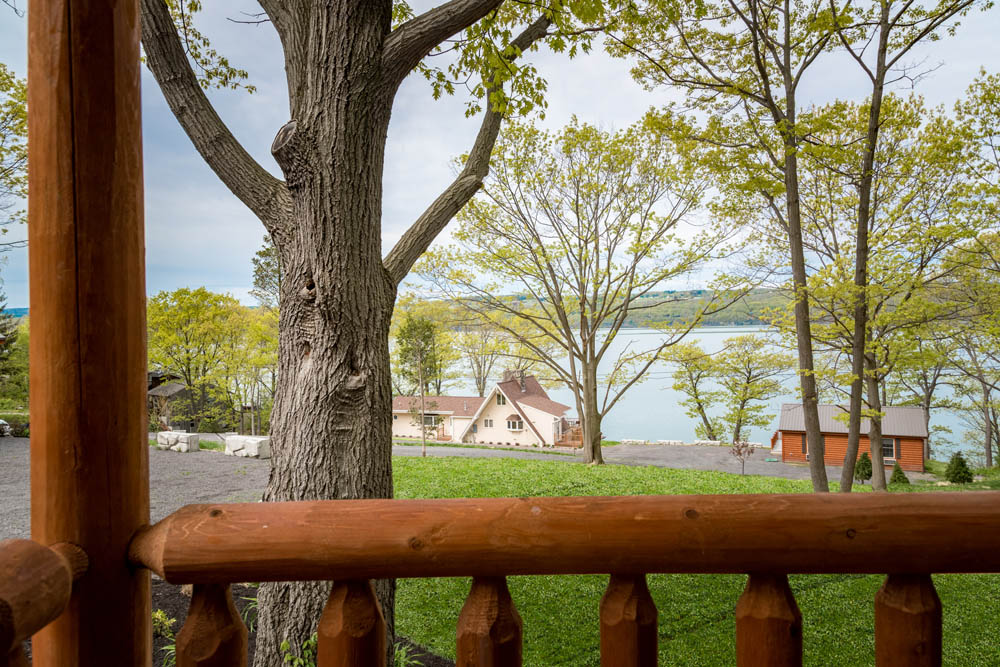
x: 875, y: 427
x: 331, y: 428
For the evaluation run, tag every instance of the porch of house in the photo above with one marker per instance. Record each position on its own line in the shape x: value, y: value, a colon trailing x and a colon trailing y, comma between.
x: 81, y: 586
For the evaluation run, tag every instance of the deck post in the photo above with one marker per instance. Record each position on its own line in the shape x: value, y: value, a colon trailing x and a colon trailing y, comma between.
x: 89, y: 457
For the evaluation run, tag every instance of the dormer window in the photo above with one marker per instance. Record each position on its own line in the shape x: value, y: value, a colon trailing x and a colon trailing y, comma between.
x: 501, y: 399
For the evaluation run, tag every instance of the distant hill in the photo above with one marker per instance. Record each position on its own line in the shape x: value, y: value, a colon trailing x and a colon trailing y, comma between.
x: 681, y: 306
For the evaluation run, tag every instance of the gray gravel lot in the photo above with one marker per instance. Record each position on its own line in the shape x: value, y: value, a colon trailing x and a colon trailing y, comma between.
x: 203, y: 477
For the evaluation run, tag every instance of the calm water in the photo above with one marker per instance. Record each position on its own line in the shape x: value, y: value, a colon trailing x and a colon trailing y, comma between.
x: 650, y: 410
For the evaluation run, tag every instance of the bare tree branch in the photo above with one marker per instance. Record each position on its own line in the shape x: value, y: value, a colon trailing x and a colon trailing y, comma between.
x: 263, y: 194
x: 408, y: 44
x: 419, y: 236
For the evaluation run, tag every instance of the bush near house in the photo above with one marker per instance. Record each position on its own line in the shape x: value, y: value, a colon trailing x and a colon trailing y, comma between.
x: 863, y: 468
x: 958, y: 470
x: 898, y: 476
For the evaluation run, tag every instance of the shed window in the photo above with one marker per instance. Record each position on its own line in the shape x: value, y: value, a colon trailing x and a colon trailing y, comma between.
x: 888, y: 448
x: 805, y: 444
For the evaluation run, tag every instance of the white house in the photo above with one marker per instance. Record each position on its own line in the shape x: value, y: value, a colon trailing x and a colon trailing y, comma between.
x: 516, y: 411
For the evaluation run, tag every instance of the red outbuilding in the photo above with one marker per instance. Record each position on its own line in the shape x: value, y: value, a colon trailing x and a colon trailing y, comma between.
x: 904, y: 435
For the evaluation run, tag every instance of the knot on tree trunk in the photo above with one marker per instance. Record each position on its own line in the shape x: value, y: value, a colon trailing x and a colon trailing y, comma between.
x: 287, y: 149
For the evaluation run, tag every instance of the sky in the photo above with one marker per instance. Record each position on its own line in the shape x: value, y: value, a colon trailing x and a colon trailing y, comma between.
x: 198, y: 234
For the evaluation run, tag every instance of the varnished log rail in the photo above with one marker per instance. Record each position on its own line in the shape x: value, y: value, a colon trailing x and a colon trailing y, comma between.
x: 35, y: 586
x: 765, y: 536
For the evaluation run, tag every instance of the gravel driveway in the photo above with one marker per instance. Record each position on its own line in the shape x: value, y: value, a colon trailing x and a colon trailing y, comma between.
x: 204, y: 477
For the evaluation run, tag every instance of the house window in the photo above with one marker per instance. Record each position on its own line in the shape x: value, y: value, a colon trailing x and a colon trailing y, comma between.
x: 394, y: 417
x: 501, y: 399
x: 888, y: 449
x: 487, y: 423
x: 515, y: 425
x: 431, y: 420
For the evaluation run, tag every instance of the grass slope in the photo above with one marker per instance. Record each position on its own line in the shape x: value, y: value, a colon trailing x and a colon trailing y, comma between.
x: 695, y: 611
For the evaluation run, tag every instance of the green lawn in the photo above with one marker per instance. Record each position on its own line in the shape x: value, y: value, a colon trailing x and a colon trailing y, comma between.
x: 695, y: 611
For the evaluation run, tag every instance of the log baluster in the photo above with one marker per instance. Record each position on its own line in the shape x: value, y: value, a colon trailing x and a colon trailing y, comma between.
x: 907, y: 622
x: 213, y: 634
x: 768, y: 623
x: 628, y: 623
x: 489, y: 627
x: 352, y: 630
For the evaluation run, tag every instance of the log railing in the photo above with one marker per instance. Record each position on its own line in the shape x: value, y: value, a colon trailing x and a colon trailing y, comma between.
x: 907, y: 537
x: 35, y: 587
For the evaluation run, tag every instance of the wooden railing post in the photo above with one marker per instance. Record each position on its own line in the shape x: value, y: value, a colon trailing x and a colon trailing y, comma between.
x: 907, y: 622
x: 489, y: 627
x: 628, y: 623
x: 768, y: 624
x: 352, y: 630
x: 213, y: 634
x: 89, y: 467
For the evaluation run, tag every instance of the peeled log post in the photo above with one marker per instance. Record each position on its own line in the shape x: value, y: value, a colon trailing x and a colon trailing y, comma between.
x: 489, y: 627
x: 352, y: 630
x: 89, y: 460
x: 768, y: 623
x: 628, y: 623
x: 907, y: 622
x: 213, y: 634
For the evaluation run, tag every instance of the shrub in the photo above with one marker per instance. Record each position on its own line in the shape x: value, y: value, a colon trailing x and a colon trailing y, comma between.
x: 863, y: 468
x: 958, y: 470
x: 898, y: 476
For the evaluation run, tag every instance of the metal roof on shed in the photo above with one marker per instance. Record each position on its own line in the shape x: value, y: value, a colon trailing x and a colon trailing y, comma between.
x: 898, y: 421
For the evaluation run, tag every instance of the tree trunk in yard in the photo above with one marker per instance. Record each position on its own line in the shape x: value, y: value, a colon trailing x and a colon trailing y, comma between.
x: 590, y: 420
x: 875, y: 431
x: 988, y: 423
x: 331, y: 422
x: 803, y: 327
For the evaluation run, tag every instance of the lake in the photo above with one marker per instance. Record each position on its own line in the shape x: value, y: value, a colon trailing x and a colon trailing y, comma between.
x: 650, y: 410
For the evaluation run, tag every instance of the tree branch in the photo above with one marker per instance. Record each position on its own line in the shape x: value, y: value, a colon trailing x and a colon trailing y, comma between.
x: 408, y: 44
x: 262, y: 193
x: 421, y: 233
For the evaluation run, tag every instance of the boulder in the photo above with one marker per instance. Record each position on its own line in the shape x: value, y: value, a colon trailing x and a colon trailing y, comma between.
x: 673, y: 443
x: 177, y: 441
x: 708, y: 443
x: 253, y: 446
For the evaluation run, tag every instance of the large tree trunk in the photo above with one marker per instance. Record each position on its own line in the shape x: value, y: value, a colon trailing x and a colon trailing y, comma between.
x: 331, y: 422
x: 590, y: 419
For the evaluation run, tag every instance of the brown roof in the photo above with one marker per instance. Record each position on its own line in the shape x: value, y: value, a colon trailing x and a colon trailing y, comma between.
x: 533, y: 395
x: 457, y: 406
x: 898, y: 421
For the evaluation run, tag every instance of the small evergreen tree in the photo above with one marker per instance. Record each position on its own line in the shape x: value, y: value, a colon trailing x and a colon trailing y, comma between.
x: 898, y: 476
x: 863, y: 470
x: 958, y: 470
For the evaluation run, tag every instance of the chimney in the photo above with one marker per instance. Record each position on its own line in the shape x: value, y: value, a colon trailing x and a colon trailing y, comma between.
x: 520, y: 376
